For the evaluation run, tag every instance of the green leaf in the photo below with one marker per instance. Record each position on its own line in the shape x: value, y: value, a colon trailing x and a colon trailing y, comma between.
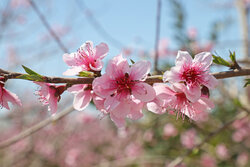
x: 86, y: 74
x: 232, y: 56
x: 247, y: 82
x: 31, y: 77
x: 132, y: 61
x: 219, y: 60
x: 29, y: 71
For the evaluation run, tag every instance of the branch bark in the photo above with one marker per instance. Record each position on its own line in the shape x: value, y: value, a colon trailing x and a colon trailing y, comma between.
x: 35, y: 128
x: 150, y: 79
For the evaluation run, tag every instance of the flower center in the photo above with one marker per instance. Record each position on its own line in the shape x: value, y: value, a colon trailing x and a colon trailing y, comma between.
x: 124, y: 84
x: 191, y: 75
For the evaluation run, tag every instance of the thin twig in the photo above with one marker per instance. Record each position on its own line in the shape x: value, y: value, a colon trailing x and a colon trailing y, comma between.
x: 35, y: 128
x: 46, y: 24
x: 157, y: 35
x: 150, y: 79
x: 179, y: 159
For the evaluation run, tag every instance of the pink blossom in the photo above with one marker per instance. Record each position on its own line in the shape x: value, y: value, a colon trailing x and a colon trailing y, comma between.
x: 169, y: 130
x: 176, y: 99
x: 242, y: 159
x: 188, y: 138
x: 86, y: 58
x: 121, y: 89
x: 72, y: 156
x: 82, y: 97
x: 133, y: 150
x: 49, y: 94
x: 222, y: 152
x: 207, y: 161
x: 148, y: 135
x: 7, y: 96
x: 193, y: 72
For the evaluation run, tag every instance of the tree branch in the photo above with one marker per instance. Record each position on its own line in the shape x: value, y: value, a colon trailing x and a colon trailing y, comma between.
x: 35, y: 128
x: 46, y: 24
x: 149, y: 80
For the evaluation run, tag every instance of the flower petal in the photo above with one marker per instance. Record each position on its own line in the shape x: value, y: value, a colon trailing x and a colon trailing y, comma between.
x: 143, y: 92
x: 73, y: 71
x: 111, y: 103
x: 204, y: 58
x: 11, y: 97
x: 119, y: 122
x: 135, y: 110
x: 140, y: 70
x: 70, y: 59
x: 117, y: 67
x: 210, y: 81
x: 101, y: 51
x: 173, y: 75
x: 76, y: 88
x: 52, y: 102
x: 183, y: 57
x: 103, y: 86
x: 193, y: 93
x: 82, y: 99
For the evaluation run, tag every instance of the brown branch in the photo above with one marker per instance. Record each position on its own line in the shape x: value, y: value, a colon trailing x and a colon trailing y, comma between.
x: 35, y: 128
x: 150, y: 79
x: 179, y: 159
x: 157, y: 35
x: 46, y: 24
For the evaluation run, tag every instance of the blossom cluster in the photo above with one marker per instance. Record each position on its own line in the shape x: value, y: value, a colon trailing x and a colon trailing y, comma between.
x: 122, y: 91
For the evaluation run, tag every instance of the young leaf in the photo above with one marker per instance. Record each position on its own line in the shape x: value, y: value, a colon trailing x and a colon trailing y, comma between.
x: 86, y: 74
x: 247, y: 82
x: 29, y: 71
x: 31, y: 77
x: 232, y: 56
x: 221, y: 61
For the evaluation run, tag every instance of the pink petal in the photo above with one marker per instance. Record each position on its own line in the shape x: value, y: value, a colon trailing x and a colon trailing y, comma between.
x: 98, y: 65
x: 140, y: 70
x: 82, y: 99
x: 136, y: 110
x: 11, y: 97
x: 121, y: 110
x: 53, y: 103
x: 204, y: 58
x: 119, y: 122
x: 193, y: 92
x: 73, y: 71
x: 207, y: 102
x: 99, y: 103
x: 117, y: 67
x: 156, y: 106
x: 103, y: 86
x: 88, y: 45
x: 173, y: 75
x: 70, y: 59
x: 183, y: 57
x: 143, y: 92
x: 210, y: 81
x: 111, y: 103
x: 101, y: 50
x: 77, y: 88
